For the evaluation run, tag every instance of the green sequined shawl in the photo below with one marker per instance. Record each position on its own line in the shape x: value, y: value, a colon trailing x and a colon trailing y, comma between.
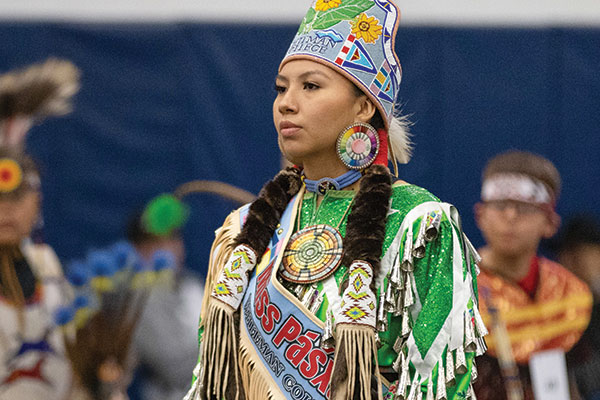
x: 444, y: 285
x: 433, y: 275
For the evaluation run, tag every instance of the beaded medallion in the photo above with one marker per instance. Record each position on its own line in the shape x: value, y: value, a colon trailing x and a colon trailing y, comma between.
x: 312, y: 254
x: 11, y: 175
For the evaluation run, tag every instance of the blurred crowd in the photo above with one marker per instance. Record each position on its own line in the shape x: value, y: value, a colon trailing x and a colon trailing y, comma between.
x: 122, y: 322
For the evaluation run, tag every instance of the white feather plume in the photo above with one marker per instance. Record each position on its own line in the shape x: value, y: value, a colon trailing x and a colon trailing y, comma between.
x: 399, y: 137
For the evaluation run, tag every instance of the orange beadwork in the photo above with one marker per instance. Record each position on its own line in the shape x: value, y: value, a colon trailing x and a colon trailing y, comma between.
x: 11, y: 175
x: 555, y: 318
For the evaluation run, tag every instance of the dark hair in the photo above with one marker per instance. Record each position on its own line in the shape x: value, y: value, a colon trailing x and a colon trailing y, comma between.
x: 525, y: 163
x: 580, y: 229
x: 135, y: 231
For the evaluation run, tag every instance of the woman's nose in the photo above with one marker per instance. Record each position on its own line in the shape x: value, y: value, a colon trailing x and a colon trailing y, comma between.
x: 287, y: 102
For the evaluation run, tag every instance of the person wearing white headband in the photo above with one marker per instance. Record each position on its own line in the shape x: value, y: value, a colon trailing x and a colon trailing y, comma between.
x: 530, y: 303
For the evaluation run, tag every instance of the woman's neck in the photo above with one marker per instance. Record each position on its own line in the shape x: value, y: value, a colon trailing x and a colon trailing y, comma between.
x: 328, y: 167
x: 324, y: 167
x: 513, y: 268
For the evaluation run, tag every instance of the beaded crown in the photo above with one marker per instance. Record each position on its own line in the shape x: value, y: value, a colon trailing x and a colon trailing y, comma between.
x: 355, y: 38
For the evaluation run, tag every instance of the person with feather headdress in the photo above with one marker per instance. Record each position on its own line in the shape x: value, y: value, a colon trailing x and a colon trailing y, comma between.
x: 33, y: 363
x: 340, y: 281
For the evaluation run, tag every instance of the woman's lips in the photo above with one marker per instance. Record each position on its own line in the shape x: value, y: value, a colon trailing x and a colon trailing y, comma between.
x: 288, y: 129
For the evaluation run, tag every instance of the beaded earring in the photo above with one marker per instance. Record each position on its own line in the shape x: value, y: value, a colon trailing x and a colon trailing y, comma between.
x: 358, y: 145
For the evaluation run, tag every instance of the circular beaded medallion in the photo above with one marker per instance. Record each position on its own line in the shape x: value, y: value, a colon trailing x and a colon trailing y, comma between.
x: 11, y: 175
x: 358, y: 146
x: 312, y: 254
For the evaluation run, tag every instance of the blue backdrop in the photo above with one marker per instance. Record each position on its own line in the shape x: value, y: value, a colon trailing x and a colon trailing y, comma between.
x: 162, y: 104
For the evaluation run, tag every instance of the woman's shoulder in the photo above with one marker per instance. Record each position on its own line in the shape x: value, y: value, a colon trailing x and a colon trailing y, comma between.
x: 410, y: 204
x: 407, y: 195
x: 235, y: 219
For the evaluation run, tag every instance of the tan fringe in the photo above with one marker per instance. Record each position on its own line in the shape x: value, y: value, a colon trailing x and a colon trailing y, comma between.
x: 219, y: 348
x: 355, y: 348
x: 219, y: 340
x: 256, y: 387
x: 225, y: 239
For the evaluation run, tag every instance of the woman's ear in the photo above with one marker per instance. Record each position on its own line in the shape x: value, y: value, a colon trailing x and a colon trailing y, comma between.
x: 366, y: 109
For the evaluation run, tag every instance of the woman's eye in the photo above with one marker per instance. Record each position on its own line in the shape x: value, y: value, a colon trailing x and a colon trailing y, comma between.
x: 310, y: 86
x: 279, y: 89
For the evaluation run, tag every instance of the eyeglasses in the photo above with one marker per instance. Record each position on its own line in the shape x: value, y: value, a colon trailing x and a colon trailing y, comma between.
x: 520, y: 207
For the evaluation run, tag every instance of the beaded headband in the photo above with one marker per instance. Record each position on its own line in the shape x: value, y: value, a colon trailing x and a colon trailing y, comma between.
x: 516, y: 187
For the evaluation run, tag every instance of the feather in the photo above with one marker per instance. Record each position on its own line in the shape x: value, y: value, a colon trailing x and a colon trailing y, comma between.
x: 399, y: 138
x: 39, y: 90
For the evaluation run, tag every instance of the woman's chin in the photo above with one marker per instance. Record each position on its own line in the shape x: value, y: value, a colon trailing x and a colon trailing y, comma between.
x: 292, y: 157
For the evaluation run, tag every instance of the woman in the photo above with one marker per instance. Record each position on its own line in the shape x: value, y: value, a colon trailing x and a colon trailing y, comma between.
x: 33, y: 364
x: 338, y: 282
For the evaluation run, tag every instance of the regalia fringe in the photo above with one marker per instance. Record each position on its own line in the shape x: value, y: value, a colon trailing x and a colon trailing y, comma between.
x: 355, y: 361
x: 221, y: 377
x: 365, y: 232
x: 256, y: 387
x: 222, y: 248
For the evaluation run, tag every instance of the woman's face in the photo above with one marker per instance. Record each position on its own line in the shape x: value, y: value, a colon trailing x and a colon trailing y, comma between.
x: 17, y: 217
x: 313, y: 105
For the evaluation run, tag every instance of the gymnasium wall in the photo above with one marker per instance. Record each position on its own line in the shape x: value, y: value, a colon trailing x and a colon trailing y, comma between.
x: 165, y: 102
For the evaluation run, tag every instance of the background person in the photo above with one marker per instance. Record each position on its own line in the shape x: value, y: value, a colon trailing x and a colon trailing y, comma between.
x: 531, y: 303
x: 166, y: 342
x: 33, y: 364
x: 577, y: 247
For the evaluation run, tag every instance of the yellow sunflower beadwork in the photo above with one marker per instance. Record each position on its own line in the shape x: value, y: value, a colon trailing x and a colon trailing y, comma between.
x: 366, y: 28
x: 324, y: 5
